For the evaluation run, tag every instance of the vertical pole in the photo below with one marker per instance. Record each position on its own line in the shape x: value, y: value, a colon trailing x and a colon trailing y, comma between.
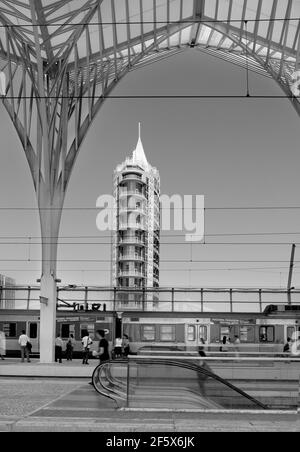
x: 115, y: 298
x: 260, y: 300
x: 173, y: 296
x: 28, y: 298
x: 128, y: 382
x: 143, y: 301
x: 231, y: 304
x: 202, y: 304
x: 86, y: 305
x: 289, y: 285
x: 50, y: 215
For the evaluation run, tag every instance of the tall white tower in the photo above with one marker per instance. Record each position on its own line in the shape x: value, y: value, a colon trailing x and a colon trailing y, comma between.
x: 136, y: 237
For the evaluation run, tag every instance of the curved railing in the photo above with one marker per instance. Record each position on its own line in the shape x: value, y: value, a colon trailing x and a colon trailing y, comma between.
x: 113, y: 379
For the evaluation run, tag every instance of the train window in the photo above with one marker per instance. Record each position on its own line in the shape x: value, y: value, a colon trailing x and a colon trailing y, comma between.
x: 191, y: 333
x: 10, y: 329
x: 148, y: 332
x: 33, y: 330
x: 167, y: 333
x: 90, y: 328
x: 247, y: 333
x: 266, y: 334
x: 290, y: 332
x: 65, y: 331
x: 203, y: 332
x: 224, y: 332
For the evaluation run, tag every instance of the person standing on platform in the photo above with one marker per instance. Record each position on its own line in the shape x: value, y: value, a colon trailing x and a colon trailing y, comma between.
x: 118, y: 348
x: 201, y: 349
x: 126, y: 346
x: 287, y: 346
x: 86, y: 343
x: 70, y: 348
x: 58, y: 349
x: 102, y: 353
x: 237, y: 344
x: 23, y: 342
x: 2, y: 345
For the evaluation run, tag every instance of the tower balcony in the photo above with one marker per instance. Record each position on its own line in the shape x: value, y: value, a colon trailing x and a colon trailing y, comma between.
x: 134, y: 177
x: 131, y: 273
x: 127, y: 209
x: 131, y: 257
x: 124, y: 226
x: 125, y: 193
x: 131, y: 241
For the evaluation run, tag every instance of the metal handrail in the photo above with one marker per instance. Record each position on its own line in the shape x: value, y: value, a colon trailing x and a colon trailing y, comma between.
x: 219, y: 358
x: 118, y: 396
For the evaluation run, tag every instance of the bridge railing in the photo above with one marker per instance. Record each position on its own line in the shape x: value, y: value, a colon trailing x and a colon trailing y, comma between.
x: 157, y: 299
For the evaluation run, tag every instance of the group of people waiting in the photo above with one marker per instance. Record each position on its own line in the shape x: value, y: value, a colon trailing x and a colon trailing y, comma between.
x: 121, y: 349
x: 24, y: 343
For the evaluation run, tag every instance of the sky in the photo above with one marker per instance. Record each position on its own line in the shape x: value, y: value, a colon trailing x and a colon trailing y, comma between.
x: 235, y: 152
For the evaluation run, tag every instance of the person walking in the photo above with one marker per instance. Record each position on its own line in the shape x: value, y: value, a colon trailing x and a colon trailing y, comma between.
x: 86, y: 343
x: 58, y: 349
x: 2, y: 345
x: 70, y: 348
x: 103, y: 353
x: 23, y: 342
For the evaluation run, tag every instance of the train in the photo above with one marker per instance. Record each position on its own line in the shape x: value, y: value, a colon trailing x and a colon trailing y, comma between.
x: 265, y: 332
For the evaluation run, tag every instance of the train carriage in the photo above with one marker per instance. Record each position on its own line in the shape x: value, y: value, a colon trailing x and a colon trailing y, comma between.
x: 265, y: 332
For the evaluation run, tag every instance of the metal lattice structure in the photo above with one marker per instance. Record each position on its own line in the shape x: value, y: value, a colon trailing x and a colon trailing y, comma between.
x: 62, y: 58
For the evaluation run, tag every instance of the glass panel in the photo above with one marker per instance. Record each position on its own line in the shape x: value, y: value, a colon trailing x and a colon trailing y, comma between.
x: 65, y: 331
x: 33, y: 330
x: 247, y: 333
x: 148, y: 332
x: 167, y: 333
x: 191, y: 333
x: 266, y: 334
x: 10, y: 329
x: 203, y: 332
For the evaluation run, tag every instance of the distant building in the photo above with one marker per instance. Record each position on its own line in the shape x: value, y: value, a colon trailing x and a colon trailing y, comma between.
x: 136, y: 237
x: 7, y: 293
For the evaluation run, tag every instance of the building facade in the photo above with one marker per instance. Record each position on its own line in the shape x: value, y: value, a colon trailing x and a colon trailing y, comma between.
x: 136, y: 225
x: 7, y: 292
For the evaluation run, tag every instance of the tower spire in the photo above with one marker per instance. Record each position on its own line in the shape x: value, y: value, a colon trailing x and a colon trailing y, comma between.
x: 139, y: 131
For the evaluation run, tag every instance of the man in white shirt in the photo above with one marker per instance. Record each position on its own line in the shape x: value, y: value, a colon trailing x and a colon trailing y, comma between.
x: 86, y: 342
x: 23, y: 341
x: 59, y: 343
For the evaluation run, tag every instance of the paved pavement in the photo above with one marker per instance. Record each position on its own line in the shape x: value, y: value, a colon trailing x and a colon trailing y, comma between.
x: 73, y: 405
x: 12, y: 367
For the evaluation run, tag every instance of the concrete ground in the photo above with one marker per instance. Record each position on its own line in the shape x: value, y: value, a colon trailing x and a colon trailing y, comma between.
x: 73, y: 405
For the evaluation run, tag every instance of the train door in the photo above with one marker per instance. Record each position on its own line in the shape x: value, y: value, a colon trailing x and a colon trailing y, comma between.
x: 34, y: 336
x: 196, y: 334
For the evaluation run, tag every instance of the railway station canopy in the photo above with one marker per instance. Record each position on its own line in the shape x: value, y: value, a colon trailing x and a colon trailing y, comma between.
x: 80, y: 49
x: 99, y: 40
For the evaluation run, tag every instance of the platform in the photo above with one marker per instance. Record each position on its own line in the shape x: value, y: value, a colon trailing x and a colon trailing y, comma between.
x: 74, y: 406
